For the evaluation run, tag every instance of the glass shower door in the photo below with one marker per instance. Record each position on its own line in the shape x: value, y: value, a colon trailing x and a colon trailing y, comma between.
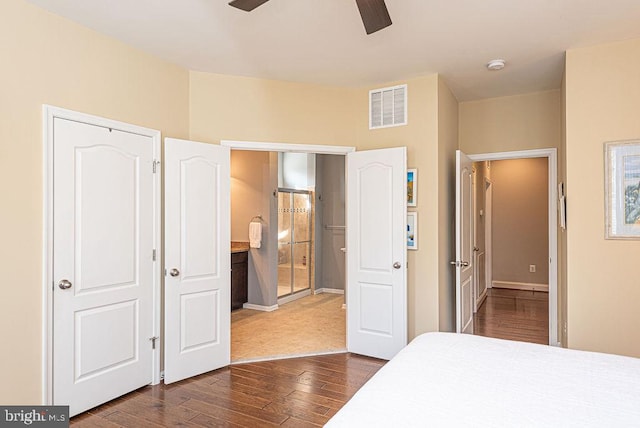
x: 284, y: 244
x: 294, y: 241
x: 301, y: 241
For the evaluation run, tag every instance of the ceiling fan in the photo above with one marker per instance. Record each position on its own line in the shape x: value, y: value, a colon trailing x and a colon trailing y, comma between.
x: 374, y: 13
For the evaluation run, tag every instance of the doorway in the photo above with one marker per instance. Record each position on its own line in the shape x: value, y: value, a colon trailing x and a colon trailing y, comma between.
x: 535, y: 295
x: 377, y: 316
x: 295, y: 297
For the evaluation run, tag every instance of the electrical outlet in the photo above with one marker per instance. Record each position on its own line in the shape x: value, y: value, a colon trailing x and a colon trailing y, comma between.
x: 532, y: 268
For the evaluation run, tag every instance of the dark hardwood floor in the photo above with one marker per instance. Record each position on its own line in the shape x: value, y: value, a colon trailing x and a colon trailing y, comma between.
x: 297, y: 392
x: 515, y: 315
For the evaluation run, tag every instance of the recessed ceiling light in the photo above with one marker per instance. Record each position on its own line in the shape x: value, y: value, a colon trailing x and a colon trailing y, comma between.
x: 495, y: 65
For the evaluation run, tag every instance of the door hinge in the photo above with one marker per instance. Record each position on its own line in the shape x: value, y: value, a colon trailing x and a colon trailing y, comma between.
x: 156, y: 164
x: 154, y: 255
x: 153, y: 341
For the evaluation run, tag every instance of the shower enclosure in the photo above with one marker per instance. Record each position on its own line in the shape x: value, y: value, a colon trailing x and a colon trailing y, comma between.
x: 294, y: 241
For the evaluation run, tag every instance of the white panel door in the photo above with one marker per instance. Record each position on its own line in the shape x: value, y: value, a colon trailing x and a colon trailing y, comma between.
x: 376, y: 252
x: 464, y: 244
x: 197, y: 258
x: 103, y: 268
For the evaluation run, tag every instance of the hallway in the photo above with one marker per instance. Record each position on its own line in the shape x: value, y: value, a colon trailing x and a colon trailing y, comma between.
x: 515, y: 315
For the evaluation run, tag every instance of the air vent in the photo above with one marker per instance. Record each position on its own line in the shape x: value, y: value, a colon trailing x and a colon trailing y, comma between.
x: 388, y: 107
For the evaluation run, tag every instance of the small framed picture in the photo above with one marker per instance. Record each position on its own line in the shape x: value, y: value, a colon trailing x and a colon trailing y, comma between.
x: 622, y: 189
x: 412, y: 187
x: 412, y: 231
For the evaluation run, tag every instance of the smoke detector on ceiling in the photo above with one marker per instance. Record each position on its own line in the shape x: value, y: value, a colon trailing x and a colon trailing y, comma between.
x: 495, y: 65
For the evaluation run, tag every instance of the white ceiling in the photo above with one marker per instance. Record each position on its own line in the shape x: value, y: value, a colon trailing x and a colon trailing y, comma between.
x: 323, y: 41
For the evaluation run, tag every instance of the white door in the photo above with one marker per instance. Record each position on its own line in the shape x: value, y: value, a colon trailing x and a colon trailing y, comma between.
x: 197, y: 258
x: 464, y: 244
x: 376, y: 252
x: 103, y: 267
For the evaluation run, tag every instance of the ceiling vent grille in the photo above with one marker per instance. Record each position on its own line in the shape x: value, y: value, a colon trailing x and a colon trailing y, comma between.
x: 388, y: 107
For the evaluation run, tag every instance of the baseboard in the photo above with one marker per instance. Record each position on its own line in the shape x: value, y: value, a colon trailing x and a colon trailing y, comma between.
x: 520, y: 286
x: 260, y: 307
x: 294, y: 296
x: 328, y: 290
x: 481, y: 300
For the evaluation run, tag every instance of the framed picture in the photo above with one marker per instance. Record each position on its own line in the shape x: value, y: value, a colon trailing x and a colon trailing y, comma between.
x: 412, y: 187
x: 622, y: 189
x: 412, y: 231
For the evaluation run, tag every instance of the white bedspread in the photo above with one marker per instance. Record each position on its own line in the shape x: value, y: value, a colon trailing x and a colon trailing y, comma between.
x: 445, y: 380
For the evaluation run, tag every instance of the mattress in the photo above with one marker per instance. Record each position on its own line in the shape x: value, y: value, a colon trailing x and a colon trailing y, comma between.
x: 446, y: 379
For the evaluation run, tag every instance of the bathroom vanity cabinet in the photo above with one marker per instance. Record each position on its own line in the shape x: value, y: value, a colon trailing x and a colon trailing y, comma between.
x: 239, y: 266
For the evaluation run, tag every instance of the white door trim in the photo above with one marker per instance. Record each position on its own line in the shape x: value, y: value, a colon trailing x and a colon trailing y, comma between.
x: 552, y: 156
x: 256, y: 146
x: 49, y: 113
x: 488, y: 228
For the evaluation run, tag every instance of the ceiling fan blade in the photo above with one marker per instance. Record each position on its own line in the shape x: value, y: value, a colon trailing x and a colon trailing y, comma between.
x: 247, y: 5
x: 375, y: 15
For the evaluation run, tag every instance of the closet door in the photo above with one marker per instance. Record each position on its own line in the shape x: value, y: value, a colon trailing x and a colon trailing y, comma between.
x: 197, y: 258
x: 104, y: 272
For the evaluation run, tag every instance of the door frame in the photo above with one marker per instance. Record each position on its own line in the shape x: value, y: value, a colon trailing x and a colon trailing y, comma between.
x: 552, y: 156
x: 304, y: 148
x: 256, y: 146
x: 488, y: 230
x: 49, y: 113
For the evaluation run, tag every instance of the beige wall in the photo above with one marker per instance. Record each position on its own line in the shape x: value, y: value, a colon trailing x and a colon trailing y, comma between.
x: 248, y: 109
x: 447, y: 145
x: 47, y: 59
x: 238, y: 108
x: 562, y: 233
x: 420, y: 136
x: 602, y: 93
x: 248, y: 173
x: 520, y: 220
x: 520, y: 122
x: 254, y: 176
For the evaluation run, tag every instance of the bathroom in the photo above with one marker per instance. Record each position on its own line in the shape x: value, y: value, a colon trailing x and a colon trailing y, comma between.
x: 298, y: 200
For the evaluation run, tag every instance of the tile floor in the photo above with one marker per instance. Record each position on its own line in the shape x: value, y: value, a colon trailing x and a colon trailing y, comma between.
x: 313, y: 324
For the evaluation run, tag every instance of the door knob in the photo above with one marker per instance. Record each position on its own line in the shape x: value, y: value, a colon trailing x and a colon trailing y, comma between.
x: 64, y: 284
x: 397, y: 265
x: 458, y: 263
x: 174, y: 272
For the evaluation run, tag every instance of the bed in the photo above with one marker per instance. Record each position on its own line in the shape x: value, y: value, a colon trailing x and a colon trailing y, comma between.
x: 446, y: 379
